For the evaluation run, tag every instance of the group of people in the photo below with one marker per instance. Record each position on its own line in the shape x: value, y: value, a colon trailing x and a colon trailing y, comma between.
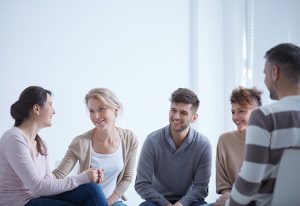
x: 174, y: 166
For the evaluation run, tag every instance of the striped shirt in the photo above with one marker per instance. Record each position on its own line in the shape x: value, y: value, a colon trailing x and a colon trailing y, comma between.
x: 272, y: 129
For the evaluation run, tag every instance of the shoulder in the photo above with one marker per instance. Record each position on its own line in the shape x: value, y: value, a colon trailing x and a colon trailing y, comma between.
x: 275, y: 115
x: 201, y: 146
x: 154, y: 138
x: 282, y: 106
x: 227, y: 141
x: 154, y: 142
x: 126, y: 133
x: 263, y: 117
x: 286, y: 104
x: 200, y: 138
x: 226, y: 136
x: 13, y: 140
x: 157, y: 135
x: 12, y: 135
x: 201, y: 143
x: 83, y: 139
x: 127, y: 136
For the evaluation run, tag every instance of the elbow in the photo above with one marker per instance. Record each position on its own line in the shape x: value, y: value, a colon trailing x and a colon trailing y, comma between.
x: 58, y: 174
x: 37, y: 189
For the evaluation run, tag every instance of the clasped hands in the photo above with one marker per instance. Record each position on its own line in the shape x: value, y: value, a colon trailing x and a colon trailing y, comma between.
x: 95, y: 175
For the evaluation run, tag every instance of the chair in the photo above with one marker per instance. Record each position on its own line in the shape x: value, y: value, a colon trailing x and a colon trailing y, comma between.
x: 287, y: 186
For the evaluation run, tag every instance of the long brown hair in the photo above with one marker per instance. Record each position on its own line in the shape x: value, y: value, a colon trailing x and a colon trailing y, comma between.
x: 20, y: 110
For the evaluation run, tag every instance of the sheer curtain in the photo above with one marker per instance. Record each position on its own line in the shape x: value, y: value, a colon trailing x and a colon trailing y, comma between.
x: 269, y: 22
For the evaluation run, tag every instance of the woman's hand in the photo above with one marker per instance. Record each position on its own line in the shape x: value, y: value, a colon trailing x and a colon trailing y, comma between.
x: 112, y: 199
x: 95, y: 175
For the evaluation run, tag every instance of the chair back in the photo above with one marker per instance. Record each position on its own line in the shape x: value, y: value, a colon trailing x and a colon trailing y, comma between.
x: 287, y: 186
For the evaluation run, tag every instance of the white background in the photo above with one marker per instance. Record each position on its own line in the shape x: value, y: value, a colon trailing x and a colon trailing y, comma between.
x: 141, y: 50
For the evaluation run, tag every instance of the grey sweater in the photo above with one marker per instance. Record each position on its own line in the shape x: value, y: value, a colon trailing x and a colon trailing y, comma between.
x: 166, y: 173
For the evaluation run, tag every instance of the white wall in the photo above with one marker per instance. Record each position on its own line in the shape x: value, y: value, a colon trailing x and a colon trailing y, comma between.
x: 138, y: 49
x: 220, y: 28
x: 141, y: 50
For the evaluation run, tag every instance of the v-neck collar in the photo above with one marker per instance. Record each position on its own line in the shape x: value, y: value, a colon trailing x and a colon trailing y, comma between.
x: 188, y: 139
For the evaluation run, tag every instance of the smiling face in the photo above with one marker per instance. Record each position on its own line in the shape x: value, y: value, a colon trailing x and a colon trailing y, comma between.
x: 180, y: 116
x: 240, y: 115
x: 102, y: 116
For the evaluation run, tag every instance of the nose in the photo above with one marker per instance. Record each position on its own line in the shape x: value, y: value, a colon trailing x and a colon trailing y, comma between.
x: 176, y: 115
x: 235, y: 116
x: 53, y: 111
x: 96, y: 114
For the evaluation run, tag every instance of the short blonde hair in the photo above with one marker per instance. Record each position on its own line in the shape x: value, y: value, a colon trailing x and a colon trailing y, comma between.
x: 106, y: 96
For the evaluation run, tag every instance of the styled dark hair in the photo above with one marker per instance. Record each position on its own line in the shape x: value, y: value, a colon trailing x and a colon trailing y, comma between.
x: 246, y: 96
x: 287, y: 57
x: 21, y: 109
x: 184, y: 95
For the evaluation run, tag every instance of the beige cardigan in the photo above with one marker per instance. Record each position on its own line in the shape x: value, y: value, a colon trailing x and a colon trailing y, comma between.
x: 80, y: 150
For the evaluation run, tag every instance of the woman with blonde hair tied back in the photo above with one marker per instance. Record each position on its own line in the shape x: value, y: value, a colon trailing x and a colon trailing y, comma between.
x: 106, y: 147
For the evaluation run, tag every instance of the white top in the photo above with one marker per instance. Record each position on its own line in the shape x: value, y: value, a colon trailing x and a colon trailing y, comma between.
x: 112, y: 164
x: 24, y: 176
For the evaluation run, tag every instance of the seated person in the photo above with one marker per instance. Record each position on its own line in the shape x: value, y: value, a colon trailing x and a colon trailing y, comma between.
x: 271, y: 129
x: 231, y: 145
x: 175, y: 161
x: 25, y: 177
x: 106, y: 147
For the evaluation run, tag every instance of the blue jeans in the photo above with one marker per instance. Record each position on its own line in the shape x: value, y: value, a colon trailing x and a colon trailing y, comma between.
x: 149, y: 203
x: 90, y: 194
x: 119, y: 203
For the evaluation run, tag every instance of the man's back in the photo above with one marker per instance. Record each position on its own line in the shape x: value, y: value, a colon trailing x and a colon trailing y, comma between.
x: 272, y: 129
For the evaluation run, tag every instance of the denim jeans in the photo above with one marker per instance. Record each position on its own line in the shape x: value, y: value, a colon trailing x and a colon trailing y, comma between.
x: 148, y: 203
x: 90, y: 194
x: 119, y: 203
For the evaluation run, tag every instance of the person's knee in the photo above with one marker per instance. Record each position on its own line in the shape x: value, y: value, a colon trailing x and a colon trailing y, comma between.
x: 93, y: 188
x: 94, y: 193
x: 148, y: 203
x: 93, y: 185
x: 119, y: 203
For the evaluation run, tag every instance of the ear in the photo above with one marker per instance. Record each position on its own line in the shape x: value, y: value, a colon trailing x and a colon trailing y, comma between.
x: 36, y: 109
x: 194, y: 117
x: 275, y: 73
x: 116, y: 112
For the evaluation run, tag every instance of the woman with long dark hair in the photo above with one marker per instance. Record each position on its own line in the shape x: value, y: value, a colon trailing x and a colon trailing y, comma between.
x: 25, y: 177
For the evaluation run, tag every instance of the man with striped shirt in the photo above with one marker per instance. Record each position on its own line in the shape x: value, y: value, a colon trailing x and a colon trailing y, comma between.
x: 272, y: 129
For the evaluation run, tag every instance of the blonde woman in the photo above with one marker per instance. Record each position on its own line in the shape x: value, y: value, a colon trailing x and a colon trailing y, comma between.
x: 25, y: 176
x: 106, y: 147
